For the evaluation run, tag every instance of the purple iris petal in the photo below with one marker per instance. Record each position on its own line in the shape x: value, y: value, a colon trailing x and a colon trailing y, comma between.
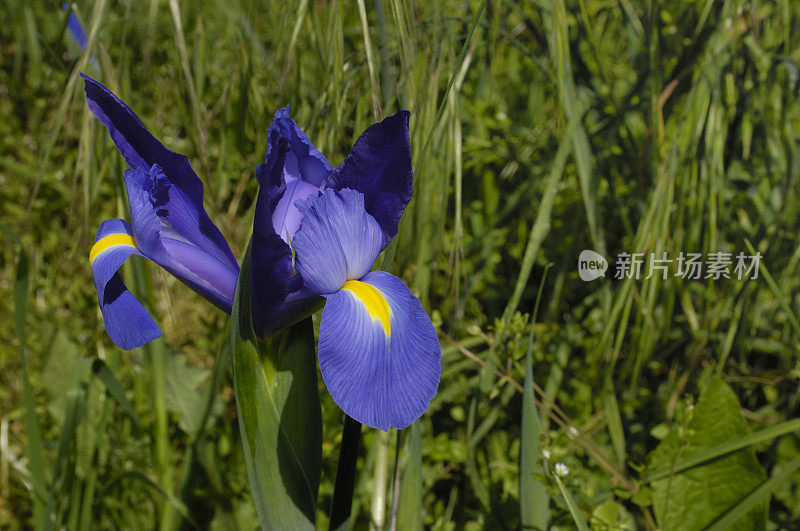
x: 337, y: 241
x: 286, y: 218
x: 380, y: 168
x: 148, y: 191
x: 204, y: 274
x: 127, y: 322
x: 380, y: 379
x: 312, y: 165
x: 184, y: 208
x: 305, y: 171
x: 270, y: 257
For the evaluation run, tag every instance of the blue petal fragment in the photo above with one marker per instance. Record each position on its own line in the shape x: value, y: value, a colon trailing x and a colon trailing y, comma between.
x: 127, y: 322
x: 337, y: 241
x: 379, y: 167
x: 379, y: 380
x: 75, y: 27
x: 184, y: 208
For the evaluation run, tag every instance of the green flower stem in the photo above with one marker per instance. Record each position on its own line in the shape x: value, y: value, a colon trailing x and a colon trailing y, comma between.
x: 158, y: 361
x: 342, y: 502
x: 379, y: 481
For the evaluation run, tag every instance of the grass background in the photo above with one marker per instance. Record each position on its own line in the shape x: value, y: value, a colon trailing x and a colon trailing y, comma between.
x: 554, y: 127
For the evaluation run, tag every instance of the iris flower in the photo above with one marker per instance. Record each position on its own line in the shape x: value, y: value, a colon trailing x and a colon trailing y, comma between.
x: 378, y: 351
x: 75, y: 27
x: 317, y: 233
x: 168, y: 226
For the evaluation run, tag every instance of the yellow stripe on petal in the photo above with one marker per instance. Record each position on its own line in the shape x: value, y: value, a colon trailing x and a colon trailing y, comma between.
x: 373, y: 301
x: 110, y: 241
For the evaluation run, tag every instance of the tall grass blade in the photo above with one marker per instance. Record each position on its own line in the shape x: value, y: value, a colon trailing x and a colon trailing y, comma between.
x: 534, y: 501
x: 574, y: 510
x: 41, y: 497
x: 409, y: 504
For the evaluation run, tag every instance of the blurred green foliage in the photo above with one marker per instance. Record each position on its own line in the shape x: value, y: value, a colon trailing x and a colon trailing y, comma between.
x: 656, y: 126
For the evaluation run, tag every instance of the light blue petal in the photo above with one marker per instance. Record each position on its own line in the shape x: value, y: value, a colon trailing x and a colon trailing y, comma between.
x: 337, y: 241
x: 379, y: 379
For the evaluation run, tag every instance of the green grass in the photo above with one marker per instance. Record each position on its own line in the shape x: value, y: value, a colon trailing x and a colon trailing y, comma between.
x: 553, y: 127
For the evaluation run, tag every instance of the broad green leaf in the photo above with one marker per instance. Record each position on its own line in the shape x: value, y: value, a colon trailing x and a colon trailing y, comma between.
x: 280, y: 420
x: 106, y: 375
x: 757, y: 498
x: 184, y: 394
x: 696, y: 497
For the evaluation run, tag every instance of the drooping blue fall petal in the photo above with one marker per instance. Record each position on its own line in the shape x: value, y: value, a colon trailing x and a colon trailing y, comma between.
x: 337, y: 240
x: 127, y: 322
x: 183, y: 208
x: 379, y: 167
x: 378, y: 352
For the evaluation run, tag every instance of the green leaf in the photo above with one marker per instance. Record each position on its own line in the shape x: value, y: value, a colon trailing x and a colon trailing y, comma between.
x: 38, y: 478
x: 574, y: 510
x: 277, y: 400
x: 696, y: 497
x: 409, y: 507
x: 727, y: 447
x: 105, y: 375
x: 534, y: 501
x: 184, y: 394
x: 756, y: 500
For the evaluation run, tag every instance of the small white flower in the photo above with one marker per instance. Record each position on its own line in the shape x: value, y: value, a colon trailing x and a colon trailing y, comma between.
x: 546, y: 454
x: 562, y: 470
x: 573, y: 432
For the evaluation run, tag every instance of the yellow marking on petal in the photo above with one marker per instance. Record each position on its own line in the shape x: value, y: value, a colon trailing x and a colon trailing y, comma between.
x: 110, y: 241
x: 374, y: 302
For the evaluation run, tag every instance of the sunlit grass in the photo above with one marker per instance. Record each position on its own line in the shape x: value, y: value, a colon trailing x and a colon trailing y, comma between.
x: 560, y: 126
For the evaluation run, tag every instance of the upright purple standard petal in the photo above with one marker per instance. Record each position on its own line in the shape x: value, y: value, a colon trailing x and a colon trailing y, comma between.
x: 378, y: 352
x: 127, y: 322
x: 305, y: 171
x: 184, y: 208
x: 337, y: 241
x: 312, y: 165
x: 270, y: 257
x: 380, y: 168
